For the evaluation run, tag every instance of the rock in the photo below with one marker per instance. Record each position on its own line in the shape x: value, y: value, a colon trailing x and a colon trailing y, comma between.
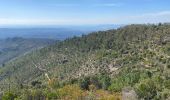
x: 129, y: 94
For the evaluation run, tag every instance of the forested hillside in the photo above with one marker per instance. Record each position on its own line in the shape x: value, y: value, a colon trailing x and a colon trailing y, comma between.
x: 13, y: 47
x: 99, y: 66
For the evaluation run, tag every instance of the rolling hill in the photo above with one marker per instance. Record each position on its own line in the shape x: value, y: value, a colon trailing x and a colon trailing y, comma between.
x: 136, y: 56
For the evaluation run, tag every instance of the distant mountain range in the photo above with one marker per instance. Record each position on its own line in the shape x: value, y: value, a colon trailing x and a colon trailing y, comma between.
x: 54, y: 32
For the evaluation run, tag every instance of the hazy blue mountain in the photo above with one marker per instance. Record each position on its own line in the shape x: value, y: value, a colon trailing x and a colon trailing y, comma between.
x: 54, y: 32
x: 51, y: 33
x: 14, y: 47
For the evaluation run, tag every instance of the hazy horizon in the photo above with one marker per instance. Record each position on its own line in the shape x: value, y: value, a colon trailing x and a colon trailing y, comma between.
x: 82, y: 12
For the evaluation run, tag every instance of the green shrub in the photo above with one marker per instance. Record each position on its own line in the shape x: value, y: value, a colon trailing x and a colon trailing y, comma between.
x: 167, y: 84
x: 146, y: 89
x: 125, y: 79
x: 52, y: 95
x: 84, y: 83
x: 105, y: 81
x: 9, y: 96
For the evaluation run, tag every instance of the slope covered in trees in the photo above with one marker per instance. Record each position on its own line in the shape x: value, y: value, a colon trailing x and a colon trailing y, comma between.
x: 136, y: 56
x: 13, y: 47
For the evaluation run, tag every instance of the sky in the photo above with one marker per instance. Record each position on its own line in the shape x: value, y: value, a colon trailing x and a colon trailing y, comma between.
x: 83, y: 12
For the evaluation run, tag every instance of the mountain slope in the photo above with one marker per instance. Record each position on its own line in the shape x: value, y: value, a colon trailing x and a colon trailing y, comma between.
x: 96, y: 47
x: 136, y: 52
x: 13, y: 47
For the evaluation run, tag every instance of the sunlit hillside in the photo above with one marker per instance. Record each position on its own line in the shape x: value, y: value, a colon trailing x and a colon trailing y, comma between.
x: 135, y: 57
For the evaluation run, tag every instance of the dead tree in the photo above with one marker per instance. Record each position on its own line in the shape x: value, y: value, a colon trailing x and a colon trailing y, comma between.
x: 43, y: 71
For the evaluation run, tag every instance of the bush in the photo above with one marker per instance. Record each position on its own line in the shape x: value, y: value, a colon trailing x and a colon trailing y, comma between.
x: 165, y: 94
x: 52, y: 96
x: 105, y: 81
x: 99, y: 81
x: 146, y: 89
x: 123, y: 80
x: 70, y: 92
x: 84, y: 83
x: 167, y: 84
x: 36, y: 83
x: 9, y: 96
x: 36, y: 94
x: 104, y: 95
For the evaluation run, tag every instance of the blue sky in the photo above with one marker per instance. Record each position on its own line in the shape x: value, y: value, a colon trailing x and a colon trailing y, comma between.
x: 83, y: 12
